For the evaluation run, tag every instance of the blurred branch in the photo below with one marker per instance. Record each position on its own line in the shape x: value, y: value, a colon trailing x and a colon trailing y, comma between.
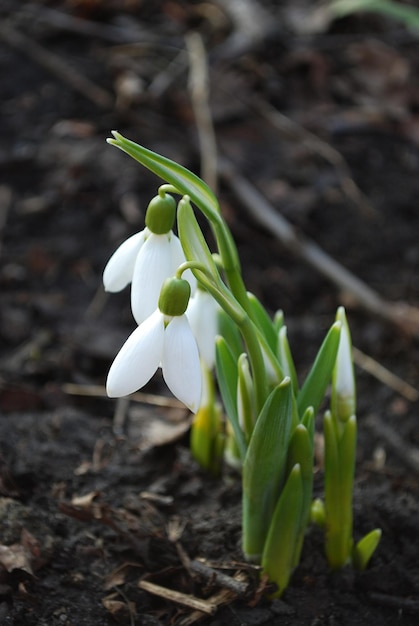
x: 199, y: 91
x: 54, y: 65
x: 291, y: 131
x: 399, y: 313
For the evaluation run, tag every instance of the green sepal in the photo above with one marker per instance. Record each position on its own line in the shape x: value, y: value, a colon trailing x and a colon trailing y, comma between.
x: 365, y: 548
x: 278, y: 559
x: 263, y: 321
x: 181, y: 178
x: 227, y: 376
x: 264, y: 468
x: 315, y: 385
x: 285, y: 358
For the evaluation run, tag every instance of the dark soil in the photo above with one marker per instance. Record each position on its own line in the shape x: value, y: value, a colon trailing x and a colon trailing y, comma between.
x: 89, y: 508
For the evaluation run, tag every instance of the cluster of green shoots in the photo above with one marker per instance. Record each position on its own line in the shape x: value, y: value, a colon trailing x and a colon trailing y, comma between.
x: 264, y: 423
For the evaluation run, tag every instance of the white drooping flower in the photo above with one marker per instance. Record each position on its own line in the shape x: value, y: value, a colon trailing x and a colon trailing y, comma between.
x: 146, y: 259
x: 164, y: 341
x: 202, y: 313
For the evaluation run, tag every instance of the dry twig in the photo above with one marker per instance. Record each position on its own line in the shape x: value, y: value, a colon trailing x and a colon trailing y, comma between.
x: 199, y: 91
x: 401, y: 314
x: 292, y: 131
x: 381, y: 373
x: 97, y: 391
x: 204, y: 606
x: 53, y: 64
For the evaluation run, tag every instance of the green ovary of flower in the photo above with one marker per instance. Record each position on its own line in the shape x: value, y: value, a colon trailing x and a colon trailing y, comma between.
x: 174, y: 296
x: 160, y: 214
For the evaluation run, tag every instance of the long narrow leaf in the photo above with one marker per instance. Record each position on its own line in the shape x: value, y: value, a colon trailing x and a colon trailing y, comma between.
x: 285, y: 358
x: 280, y: 547
x: 301, y: 452
x: 365, y: 548
x: 227, y: 376
x: 409, y: 15
x: 263, y: 321
x: 315, y: 385
x: 177, y: 175
x: 264, y: 468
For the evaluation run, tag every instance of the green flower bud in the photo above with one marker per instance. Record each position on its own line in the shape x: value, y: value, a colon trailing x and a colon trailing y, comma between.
x: 160, y: 214
x: 174, y: 296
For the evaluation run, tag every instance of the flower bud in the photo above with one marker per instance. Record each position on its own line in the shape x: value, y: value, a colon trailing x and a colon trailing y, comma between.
x: 174, y: 296
x: 160, y: 214
x: 343, y: 383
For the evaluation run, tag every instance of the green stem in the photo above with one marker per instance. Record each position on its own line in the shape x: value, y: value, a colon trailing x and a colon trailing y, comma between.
x: 226, y: 248
x: 250, y: 335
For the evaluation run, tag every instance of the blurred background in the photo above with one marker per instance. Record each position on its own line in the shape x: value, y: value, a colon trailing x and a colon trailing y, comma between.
x: 303, y: 115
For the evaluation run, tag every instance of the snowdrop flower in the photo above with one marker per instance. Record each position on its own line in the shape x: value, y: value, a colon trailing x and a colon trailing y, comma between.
x: 202, y: 313
x: 163, y: 340
x: 147, y: 258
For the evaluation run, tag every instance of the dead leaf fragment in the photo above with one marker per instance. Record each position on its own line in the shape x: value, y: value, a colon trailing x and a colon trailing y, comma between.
x: 120, y: 610
x: 15, y: 557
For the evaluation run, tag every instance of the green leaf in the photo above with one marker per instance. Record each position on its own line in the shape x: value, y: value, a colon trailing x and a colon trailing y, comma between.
x: 308, y: 421
x: 193, y: 242
x: 283, y: 535
x: 300, y: 452
x: 347, y: 457
x: 227, y: 376
x: 185, y: 181
x: 246, y: 404
x: 285, y: 358
x: 278, y: 320
x: 315, y: 385
x: 338, y: 480
x: 228, y: 329
x: 409, y: 15
x: 365, y: 548
x: 263, y: 321
x: 264, y: 467
x: 318, y: 513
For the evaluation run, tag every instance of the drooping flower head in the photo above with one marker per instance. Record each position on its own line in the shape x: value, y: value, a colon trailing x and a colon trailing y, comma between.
x: 164, y: 339
x: 147, y: 258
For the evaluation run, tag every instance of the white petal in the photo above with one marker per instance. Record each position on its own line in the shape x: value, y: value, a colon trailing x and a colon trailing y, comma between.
x: 138, y: 359
x: 202, y: 314
x: 152, y: 267
x: 180, y: 363
x: 345, y: 382
x: 120, y: 267
x: 178, y: 257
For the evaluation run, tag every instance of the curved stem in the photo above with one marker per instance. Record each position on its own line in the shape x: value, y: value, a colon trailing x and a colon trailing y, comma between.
x: 226, y: 247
